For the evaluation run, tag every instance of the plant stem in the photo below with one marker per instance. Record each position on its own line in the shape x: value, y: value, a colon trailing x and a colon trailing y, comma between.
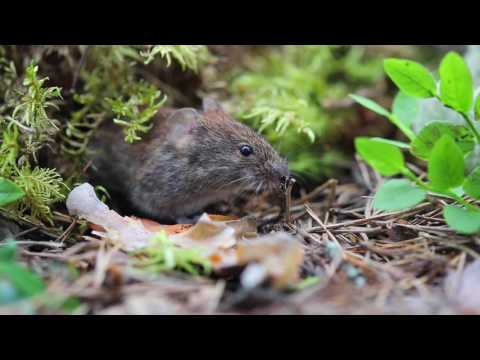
x: 460, y: 200
x: 471, y: 126
x: 469, y: 122
x: 403, y: 128
x: 408, y: 173
x: 449, y: 194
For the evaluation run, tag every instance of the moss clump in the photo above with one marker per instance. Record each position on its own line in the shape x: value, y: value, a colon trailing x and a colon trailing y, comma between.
x: 134, y: 115
x: 27, y: 128
x: 46, y: 129
x: 284, y: 93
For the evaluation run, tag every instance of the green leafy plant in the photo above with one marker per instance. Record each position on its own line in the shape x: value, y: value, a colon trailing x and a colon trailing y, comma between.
x: 9, y: 150
x: 109, y: 77
x: 188, y: 56
x: 445, y: 146
x: 306, y: 283
x: 108, y: 73
x: 135, y: 114
x: 9, y: 192
x: 35, y: 101
x: 16, y: 282
x: 43, y: 187
x: 21, y: 287
x: 30, y: 114
x: 163, y: 255
x: 28, y: 129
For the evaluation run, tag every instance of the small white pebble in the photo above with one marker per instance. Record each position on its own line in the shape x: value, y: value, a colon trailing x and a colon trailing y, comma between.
x: 253, y: 276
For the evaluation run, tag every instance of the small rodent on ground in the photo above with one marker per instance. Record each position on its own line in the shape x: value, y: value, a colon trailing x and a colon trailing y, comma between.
x: 188, y: 160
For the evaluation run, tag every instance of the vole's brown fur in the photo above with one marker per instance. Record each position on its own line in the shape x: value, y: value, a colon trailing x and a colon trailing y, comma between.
x: 188, y: 160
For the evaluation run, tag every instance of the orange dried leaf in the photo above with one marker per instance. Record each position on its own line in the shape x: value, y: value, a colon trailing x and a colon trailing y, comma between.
x: 169, y: 229
x: 222, y: 217
x: 208, y: 234
x: 96, y: 227
x: 177, y: 229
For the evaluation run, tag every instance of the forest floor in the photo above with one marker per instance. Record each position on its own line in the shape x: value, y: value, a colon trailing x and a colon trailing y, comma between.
x: 356, y: 261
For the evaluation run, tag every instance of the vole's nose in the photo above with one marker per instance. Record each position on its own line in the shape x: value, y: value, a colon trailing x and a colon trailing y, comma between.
x: 281, y: 170
x: 286, y: 180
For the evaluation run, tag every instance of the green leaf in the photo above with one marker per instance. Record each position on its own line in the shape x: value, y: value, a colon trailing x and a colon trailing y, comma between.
x: 462, y: 220
x: 396, y: 143
x: 446, y: 165
x: 387, y: 159
x: 310, y: 134
x: 456, y: 84
x: 8, y: 293
x: 405, y: 108
x: 26, y: 282
x: 471, y: 186
x: 306, y: 283
x: 9, y: 192
x: 458, y: 191
x: 477, y: 108
x: 423, y: 144
x: 411, y: 77
x: 71, y: 304
x: 7, y: 251
x: 398, y: 194
x: 371, y: 105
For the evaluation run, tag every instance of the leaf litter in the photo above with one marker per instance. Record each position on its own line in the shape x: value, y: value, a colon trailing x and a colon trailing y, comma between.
x: 329, y: 253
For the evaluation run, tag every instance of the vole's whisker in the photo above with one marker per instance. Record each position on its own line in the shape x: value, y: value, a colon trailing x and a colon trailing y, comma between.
x: 259, y: 187
x: 235, y: 181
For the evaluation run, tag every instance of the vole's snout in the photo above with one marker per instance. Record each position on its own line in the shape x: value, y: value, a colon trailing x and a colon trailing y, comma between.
x: 281, y: 173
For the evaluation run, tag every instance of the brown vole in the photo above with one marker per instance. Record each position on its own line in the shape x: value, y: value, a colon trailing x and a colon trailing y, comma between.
x: 188, y: 160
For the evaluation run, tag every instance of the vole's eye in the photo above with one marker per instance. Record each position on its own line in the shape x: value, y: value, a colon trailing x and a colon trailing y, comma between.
x: 246, y: 150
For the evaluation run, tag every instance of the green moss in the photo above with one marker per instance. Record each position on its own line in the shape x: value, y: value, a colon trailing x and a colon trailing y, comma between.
x: 26, y: 128
x: 43, y: 188
x: 283, y: 93
x: 162, y: 255
x: 188, y: 56
x: 134, y: 115
x: 106, y: 85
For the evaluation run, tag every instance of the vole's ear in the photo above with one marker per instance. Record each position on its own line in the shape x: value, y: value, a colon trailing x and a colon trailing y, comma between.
x: 182, y: 122
x: 210, y: 104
